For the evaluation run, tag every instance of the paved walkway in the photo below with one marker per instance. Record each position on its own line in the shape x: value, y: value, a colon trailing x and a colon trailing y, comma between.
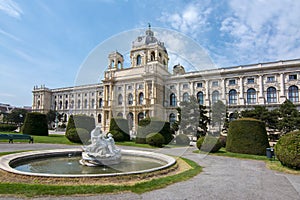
x: 222, y: 178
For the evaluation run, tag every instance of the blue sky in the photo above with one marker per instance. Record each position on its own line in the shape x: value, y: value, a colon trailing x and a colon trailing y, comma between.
x: 46, y: 41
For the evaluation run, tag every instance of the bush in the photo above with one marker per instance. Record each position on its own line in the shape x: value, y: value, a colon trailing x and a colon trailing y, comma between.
x: 248, y: 136
x: 287, y: 150
x: 155, y: 139
x: 8, y: 127
x: 78, y: 135
x: 182, y: 139
x: 118, y: 127
x: 35, y: 124
x: 81, y: 121
x: 223, y: 140
x: 117, y: 135
x: 209, y: 144
x: 148, y: 125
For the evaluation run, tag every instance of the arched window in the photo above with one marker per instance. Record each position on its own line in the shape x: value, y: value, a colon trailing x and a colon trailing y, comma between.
x: 93, y: 103
x: 251, y: 96
x: 172, y: 118
x: 85, y: 103
x: 130, y: 99
x: 200, y: 98
x: 60, y: 104
x: 152, y: 56
x: 141, y: 98
x: 100, y: 103
x: 130, y: 120
x: 185, y: 97
x: 119, y: 65
x: 120, y: 99
x: 271, y: 95
x: 140, y: 116
x: 78, y: 103
x: 39, y: 104
x: 293, y: 93
x: 112, y: 64
x: 215, y: 96
x: 55, y: 105
x: 232, y: 97
x: 72, y: 104
x: 66, y: 104
x: 138, y: 60
x: 120, y: 114
x: 172, y: 99
x: 99, y: 118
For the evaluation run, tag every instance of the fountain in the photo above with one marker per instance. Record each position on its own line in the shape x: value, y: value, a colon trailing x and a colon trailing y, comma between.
x: 101, y: 158
x: 101, y: 151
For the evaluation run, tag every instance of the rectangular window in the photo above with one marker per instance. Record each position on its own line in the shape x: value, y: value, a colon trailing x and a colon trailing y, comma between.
x: 185, y: 86
x: 250, y: 80
x: 270, y: 79
x: 172, y: 87
x: 129, y: 87
x: 119, y: 88
x: 293, y: 77
x: 78, y: 95
x: 232, y: 82
x: 92, y: 93
x: 141, y: 86
x: 215, y: 83
x: 199, y: 85
x: 85, y: 94
x: 66, y: 96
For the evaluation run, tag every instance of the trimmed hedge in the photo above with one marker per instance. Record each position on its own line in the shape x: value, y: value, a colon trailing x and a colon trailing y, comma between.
x: 8, y: 127
x: 248, y: 136
x: 148, y: 125
x: 182, y: 139
x: 287, y: 150
x: 74, y: 133
x: 119, y: 129
x: 35, y: 124
x: 155, y: 139
x: 81, y: 121
x: 209, y: 144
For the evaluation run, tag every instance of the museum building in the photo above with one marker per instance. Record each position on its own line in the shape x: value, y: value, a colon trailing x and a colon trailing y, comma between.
x: 148, y: 89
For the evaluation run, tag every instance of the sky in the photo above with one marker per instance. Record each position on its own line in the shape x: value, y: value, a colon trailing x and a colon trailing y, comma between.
x: 45, y: 42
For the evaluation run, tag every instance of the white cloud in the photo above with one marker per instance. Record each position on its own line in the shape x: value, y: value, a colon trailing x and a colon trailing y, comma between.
x: 9, y: 35
x: 11, y: 8
x: 190, y: 20
x: 263, y: 30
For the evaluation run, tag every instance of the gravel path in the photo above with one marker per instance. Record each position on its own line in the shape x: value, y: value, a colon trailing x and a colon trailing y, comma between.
x: 222, y: 178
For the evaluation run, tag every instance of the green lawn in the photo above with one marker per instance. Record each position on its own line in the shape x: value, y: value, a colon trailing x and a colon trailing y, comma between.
x: 32, y: 190
x: 52, y: 139
x: 270, y: 163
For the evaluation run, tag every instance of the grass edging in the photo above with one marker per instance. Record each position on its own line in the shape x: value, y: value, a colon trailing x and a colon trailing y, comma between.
x: 270, y: 164
x: 33, y: 190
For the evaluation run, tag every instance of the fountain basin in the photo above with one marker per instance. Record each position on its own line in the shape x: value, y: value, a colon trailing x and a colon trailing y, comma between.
x: 11, y: 162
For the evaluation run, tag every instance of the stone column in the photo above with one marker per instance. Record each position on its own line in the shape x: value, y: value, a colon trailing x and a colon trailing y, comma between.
x: 241, y: 96
x: 282, y: 96
x: 207, y: 95
x: 223, y: 89
x: 261, y: 98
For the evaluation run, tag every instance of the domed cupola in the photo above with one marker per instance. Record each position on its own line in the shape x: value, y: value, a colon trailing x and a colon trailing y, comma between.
x: 148, y: 48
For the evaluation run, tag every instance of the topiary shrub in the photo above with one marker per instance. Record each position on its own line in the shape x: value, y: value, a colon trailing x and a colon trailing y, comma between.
x: 118, y: 127
x: 155, y: 139
x: 287, y: 150
x: 35, y: 124
x: 117, y: 135
x: 223, y: 139
x: 74, y: 133
x: 150, y: 125
x: 182, y: 139
x: 83, y: 122
x: 248, y: 136
x: 8, y: 127
x: 209, y: 144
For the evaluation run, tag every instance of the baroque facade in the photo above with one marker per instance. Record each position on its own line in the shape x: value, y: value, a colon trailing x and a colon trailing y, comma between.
x: 148, y: 89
